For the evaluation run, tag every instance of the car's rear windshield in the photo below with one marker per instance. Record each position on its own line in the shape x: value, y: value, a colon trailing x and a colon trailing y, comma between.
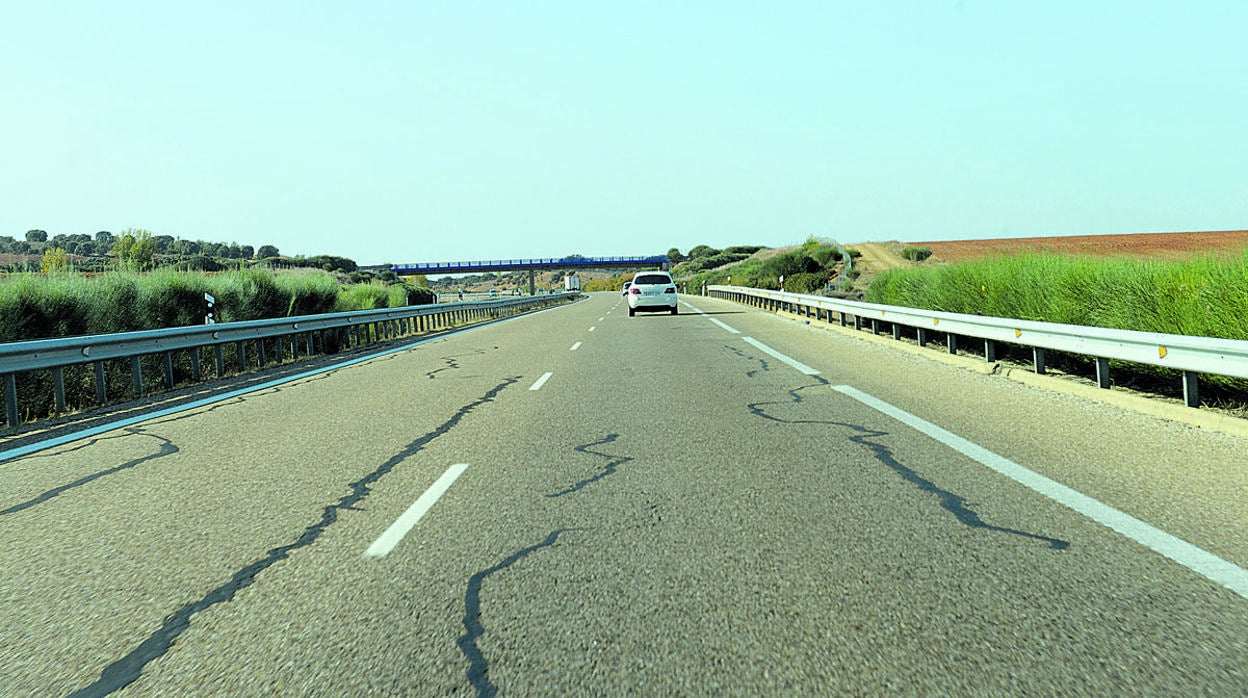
x: 653, y: 279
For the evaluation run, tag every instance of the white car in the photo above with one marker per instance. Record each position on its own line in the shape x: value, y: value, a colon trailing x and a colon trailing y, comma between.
x: 652, y: 291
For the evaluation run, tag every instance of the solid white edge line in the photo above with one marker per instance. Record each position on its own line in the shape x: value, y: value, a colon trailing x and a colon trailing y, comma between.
x: 405, y: 523
x: 575, y: 346
x: 1198, y: 560
x: 541, y: 381
x: 786, y: 359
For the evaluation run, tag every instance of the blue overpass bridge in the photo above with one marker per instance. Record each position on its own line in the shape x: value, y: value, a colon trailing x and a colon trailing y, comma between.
x: 530, y: 265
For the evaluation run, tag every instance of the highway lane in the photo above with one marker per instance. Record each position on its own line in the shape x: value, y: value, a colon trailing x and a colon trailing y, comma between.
x: 673, y: 511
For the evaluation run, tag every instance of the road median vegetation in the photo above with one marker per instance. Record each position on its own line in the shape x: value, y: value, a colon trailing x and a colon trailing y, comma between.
x: 42, y: 306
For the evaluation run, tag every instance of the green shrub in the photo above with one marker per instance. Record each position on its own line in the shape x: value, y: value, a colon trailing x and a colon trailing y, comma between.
x: 309, y: 293
x: 37, y: 307
x: 199, y: 263
x: 115, y: 303
x: 363, y: 297
x: 826, y: 256
x: 916, y: 254
x: 170, y: 298
x: 410, y: 294
x: 249, y: 294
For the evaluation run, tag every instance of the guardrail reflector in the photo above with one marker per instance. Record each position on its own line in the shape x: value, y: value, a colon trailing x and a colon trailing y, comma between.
x: 1161, y: 351
x: 1017, y: 333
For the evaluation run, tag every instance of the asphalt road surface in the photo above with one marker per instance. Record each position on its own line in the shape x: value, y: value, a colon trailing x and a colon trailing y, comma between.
x: 576, y: 502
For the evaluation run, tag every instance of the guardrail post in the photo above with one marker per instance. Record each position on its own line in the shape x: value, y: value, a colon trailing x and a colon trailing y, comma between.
x: 264, y: 355
x: 951, y: 341
x: 922, y: 332
x: 10, y: 398
x: 311, y: 347
x: 242, y: 356
x: 875, y: 326
x: 844, y: 320
x: 896, y: 331
x: 857, y: 323
x: 196, y: 372
x: 58, y: 388
x: 1191, y: 389
x: 219, y: 352
x: 101, y: 392
x: 136, y: 376
x: 277, y: 350
x: 1102, y: 372
x: 990, y: 350
x: 1037, y: 356
x: 168, y: 361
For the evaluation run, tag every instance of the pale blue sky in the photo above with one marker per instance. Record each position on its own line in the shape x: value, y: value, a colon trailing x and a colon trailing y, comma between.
x: 414, y: 131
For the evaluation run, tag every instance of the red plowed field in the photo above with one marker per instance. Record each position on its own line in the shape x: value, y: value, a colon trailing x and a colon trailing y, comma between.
x: 1157, y: 245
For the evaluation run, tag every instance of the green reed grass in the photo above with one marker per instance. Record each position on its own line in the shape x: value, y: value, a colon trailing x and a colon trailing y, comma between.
x: 1203, y: 296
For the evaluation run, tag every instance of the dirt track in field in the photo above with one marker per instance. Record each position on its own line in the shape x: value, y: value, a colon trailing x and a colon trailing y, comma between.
x: 877, y: 257
x: 1154, y: 245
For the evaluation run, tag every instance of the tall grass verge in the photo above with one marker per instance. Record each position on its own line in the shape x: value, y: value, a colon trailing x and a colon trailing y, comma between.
x: 1203, y: 297
x: 1200, y: 297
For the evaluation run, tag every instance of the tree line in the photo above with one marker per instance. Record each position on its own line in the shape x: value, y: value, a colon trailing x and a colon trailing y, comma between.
x: 140, y: 250
x: 104, y: 243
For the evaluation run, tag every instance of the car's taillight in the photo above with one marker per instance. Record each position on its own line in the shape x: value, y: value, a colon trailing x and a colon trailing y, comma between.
x: 635, y: 291
x: 670, y: 289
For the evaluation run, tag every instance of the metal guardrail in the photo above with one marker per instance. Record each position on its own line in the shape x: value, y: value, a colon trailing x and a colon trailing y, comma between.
x: 57, y: 354
x: 1190, y: 355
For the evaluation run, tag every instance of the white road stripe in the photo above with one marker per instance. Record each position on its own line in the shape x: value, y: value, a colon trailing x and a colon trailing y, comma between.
x: 725, y: 326
x: 786, y: 359
x: 601, y: 319
x: 708, y: 317
x: 575, y: 346
x: 1196, y: 559
x: 593, y: 328
x: 541, y: 381
x: 386, y: 542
